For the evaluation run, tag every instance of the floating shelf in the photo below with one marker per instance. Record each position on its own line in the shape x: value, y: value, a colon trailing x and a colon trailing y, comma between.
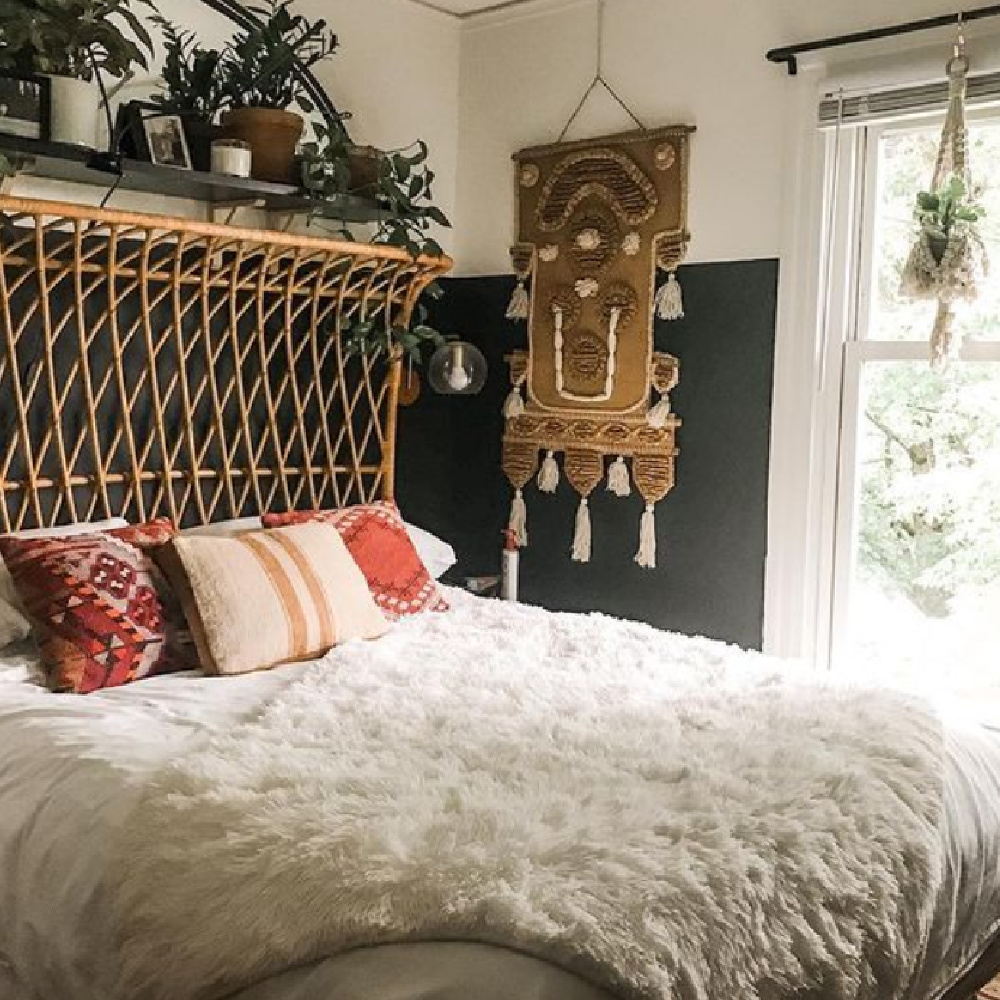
x: 63, y: 162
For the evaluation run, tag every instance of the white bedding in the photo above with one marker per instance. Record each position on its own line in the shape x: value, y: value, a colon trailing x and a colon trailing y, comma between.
x: 71, y: 769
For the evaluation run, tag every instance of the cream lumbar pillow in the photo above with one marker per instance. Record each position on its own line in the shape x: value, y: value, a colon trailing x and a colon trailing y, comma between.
x: 262, y: 598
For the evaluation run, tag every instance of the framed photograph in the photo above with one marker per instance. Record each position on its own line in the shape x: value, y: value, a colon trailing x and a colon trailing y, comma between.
x: 166, y: 142
x: 25, y: 103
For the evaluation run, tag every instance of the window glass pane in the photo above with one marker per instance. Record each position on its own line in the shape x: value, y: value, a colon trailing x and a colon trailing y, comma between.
x: 905, y: 164
x: 925, y: 598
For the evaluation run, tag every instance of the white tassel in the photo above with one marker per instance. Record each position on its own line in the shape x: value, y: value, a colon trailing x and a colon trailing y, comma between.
x: 659, y: 414
x: 548, y: 475
x: 514, y: 406
x: 519, y: 519
x: 646, y: 556
x: 618, y: 478
x: 669, y: 300
x: 582, y: 538
x: 520, y: 304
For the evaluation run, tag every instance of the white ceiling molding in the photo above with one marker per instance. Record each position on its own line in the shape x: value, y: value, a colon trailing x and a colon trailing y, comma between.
x: 493, y: 10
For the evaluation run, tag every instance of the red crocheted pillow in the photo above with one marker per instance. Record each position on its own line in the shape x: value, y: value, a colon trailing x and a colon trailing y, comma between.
x: 379, y: 543
x: 100, y: 610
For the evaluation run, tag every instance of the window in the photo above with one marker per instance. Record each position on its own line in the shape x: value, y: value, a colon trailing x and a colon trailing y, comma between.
x: 915, y: 591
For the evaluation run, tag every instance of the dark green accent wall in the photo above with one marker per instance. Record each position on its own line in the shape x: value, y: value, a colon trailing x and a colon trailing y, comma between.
x: 711, y: 530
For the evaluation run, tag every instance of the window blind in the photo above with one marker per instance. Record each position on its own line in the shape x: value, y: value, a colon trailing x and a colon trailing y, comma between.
x: 860, y: 109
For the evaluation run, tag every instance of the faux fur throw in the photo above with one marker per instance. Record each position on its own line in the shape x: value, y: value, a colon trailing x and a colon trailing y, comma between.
x: 665, y: 817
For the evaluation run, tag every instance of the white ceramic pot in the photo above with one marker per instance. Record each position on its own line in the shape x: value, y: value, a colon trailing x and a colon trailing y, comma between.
x: 75, y: 107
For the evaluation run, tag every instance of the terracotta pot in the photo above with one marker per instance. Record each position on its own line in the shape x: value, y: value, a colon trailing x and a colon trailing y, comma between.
x: 200, y: 136
x: 364, y: 164
x: 272, y: 136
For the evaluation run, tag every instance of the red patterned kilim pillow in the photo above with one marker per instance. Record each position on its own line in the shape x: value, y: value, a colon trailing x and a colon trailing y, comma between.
x: 100, y: 609
x: 379, y: 543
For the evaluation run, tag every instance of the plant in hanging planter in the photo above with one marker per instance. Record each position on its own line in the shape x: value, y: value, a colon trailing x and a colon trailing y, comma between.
x: 949, y: 254
x: 69, y: 41
x: 192, y: 88
x: 261, y: 82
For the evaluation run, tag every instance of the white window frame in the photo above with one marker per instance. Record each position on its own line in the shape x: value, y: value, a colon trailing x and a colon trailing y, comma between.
x: 820, y: 356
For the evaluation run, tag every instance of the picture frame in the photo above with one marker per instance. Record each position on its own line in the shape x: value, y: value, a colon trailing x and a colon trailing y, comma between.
x: 25, y: 106
x: 166, y: 141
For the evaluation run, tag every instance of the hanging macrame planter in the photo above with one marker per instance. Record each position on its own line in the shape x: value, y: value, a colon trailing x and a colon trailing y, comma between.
x: 948, y: 260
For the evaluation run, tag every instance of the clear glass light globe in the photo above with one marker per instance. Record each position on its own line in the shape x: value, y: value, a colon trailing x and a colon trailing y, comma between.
x: 457, y: 369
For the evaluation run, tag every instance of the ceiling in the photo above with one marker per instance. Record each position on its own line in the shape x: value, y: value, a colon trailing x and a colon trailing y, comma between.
x: 469, y: 8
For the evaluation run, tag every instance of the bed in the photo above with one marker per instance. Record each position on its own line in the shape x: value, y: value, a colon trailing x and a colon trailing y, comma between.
x: 490, y: 801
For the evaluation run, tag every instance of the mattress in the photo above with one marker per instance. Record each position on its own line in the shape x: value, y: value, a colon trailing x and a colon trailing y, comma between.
x: 72, y: 768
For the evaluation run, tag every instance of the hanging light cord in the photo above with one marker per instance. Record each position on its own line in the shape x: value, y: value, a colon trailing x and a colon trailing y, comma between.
x: 599, y: 80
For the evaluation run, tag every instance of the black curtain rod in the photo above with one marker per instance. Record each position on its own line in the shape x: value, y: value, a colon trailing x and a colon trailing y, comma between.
x: 789, y: 54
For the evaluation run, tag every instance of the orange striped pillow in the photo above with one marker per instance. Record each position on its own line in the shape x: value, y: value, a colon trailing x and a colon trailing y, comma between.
x: 267, y: 597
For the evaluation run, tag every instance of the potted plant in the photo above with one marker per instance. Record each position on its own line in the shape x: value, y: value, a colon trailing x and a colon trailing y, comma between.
x: 261, y: 83
x: 192, y: 89
x: 71, y: 41
x: 399, y: 181
x: 948, y: 255
x: 945, y: 213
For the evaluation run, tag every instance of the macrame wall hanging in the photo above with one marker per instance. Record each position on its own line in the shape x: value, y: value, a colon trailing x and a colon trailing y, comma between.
x: 599, y: 220
x: 948, y: 260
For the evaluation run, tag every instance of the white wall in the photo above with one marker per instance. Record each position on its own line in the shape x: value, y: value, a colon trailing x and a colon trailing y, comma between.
x: 699, y: 63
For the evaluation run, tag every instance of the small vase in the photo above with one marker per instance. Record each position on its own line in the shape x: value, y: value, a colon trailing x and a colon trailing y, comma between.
x: 200, y: 136
x: 75, y: 106
x: 272, y: 136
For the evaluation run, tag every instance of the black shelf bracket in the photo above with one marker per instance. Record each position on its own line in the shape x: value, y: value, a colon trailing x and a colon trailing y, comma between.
x: 788, y: 55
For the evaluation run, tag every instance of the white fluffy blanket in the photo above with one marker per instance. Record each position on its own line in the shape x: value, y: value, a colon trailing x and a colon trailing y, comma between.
x: 665, y: 817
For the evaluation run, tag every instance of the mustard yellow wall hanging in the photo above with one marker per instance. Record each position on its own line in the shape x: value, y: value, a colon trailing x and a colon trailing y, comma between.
x: 599, y: 221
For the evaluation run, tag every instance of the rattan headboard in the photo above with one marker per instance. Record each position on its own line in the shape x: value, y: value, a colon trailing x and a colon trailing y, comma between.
x: 152, y: 366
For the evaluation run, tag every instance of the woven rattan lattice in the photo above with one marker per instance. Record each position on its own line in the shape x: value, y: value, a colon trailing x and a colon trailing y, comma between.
x: 153, y: 366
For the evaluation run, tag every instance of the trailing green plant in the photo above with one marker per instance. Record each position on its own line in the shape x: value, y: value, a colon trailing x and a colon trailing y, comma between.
x: 259, y: 66
x: 952, y: 206
x: 326, y: 168
x: 402, y: 188
x: 192, y: 80
x: 6, y: 167
x: 373, y: 339
x: 70, y: 37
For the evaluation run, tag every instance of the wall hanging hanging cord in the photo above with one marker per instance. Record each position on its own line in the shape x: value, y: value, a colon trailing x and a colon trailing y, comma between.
x: 600, y: 81
x: 788, y: 54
